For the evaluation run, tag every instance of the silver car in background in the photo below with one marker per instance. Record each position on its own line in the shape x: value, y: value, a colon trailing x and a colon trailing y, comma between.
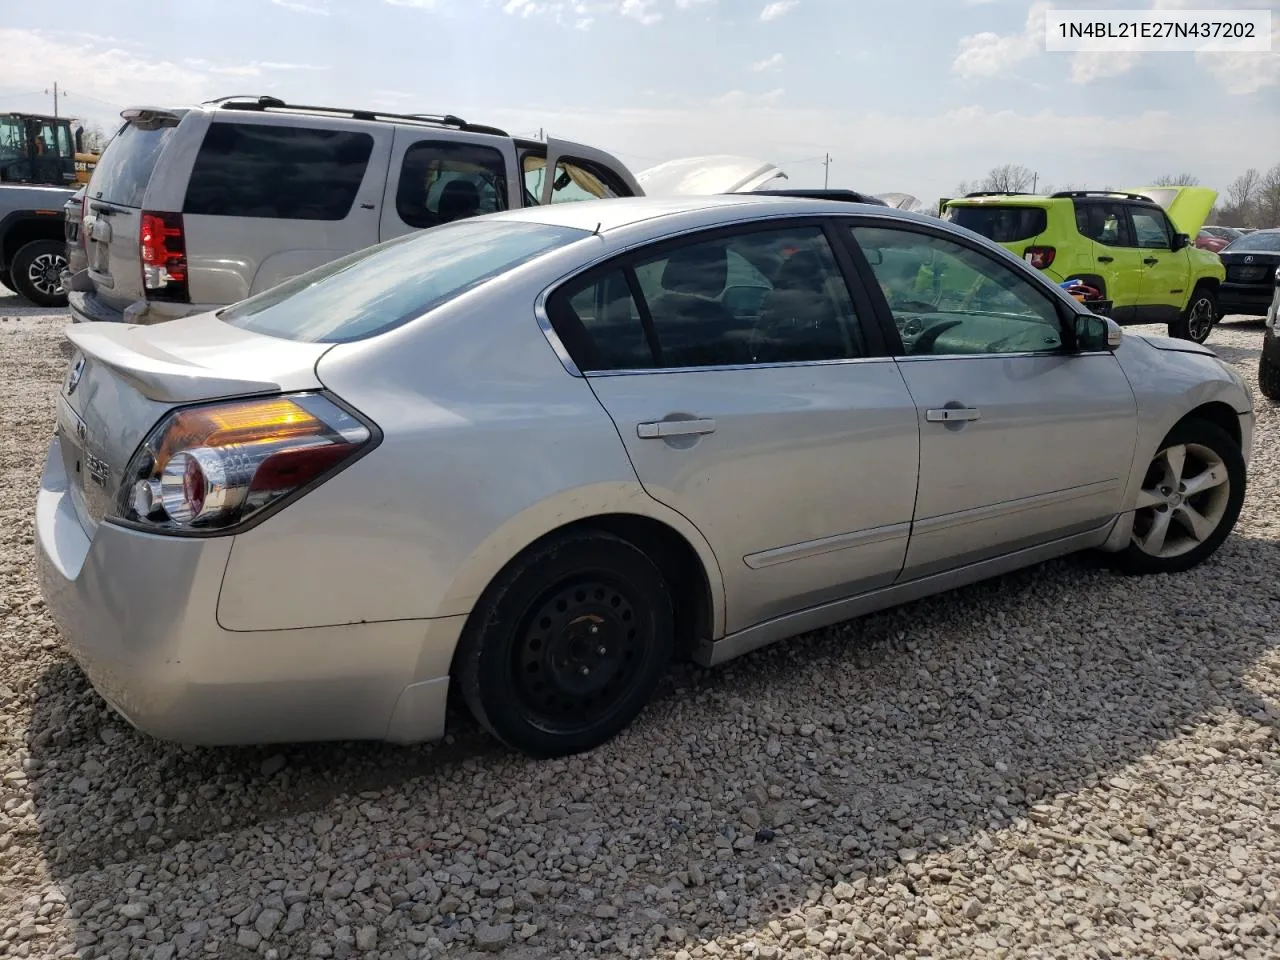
x: 537, y: 454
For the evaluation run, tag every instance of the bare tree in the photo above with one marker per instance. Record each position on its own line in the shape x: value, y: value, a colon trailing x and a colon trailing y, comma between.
x: 1177, y: 180
x: 1009, y: 178
x: 967, y: 186
x: 1268, y: 204
x: 1242, y: 195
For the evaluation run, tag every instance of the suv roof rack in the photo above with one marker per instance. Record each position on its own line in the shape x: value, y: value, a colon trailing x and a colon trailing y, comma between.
x: 1066, y: 194
x: 263, y: 103
x: 1000, y: 193
x: 850, y: 196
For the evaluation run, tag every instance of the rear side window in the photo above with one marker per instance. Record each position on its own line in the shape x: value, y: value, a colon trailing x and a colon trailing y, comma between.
x: 277, y: 173
x: 1001, y: 224
x: 125, y: 168
x: 441, y: 182
x: 381, y: 287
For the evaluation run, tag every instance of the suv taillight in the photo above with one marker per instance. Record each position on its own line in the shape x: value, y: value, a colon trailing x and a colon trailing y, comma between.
x: 1039, y: 257
x: 164, y: 257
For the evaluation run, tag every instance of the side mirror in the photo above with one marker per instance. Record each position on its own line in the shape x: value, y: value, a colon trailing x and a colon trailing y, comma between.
x: 1097, y: 333
x: 1181, y: 240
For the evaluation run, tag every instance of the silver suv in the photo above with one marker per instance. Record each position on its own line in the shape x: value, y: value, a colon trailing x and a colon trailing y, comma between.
x: 192, y: 209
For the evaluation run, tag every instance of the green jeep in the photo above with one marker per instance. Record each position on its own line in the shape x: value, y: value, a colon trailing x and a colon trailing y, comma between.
x: 1134, y: 246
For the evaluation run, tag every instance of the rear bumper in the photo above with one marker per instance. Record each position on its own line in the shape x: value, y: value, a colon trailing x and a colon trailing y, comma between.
x: 1250, y: 300
x: 87, y: 307
x: 138, y: 613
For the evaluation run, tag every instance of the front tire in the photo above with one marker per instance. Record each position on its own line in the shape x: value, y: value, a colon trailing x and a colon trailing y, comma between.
x: 1199, y: 318
x: 37, y: 273
x: 1269, y: 370
x: 566, y: 647
x: 1189, y: 503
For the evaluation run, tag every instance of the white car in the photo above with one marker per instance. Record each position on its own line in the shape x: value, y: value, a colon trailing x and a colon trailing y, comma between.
x: 537, y: 454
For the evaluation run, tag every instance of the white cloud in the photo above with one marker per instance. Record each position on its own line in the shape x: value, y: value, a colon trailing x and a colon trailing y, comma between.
x: 768, y: 63
x: 642, y: 10
x: 991, y: 54
x: 777, y: 9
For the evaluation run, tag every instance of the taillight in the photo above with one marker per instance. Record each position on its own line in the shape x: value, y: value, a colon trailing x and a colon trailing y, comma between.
x: 164, y: 256
x: 1039, y: 257
x: 208, y: 468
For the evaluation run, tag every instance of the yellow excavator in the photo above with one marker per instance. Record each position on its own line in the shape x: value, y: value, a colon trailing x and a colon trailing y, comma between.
x: 40, y: 149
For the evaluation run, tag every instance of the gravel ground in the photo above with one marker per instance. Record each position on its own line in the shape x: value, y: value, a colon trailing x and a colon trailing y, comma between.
x: 1058, y: 763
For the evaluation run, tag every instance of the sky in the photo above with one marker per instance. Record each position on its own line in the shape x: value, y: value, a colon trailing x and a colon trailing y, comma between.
x: 904, y: 96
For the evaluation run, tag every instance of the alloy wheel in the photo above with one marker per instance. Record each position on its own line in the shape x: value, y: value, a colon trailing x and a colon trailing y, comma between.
x: 1200, y: 320
x: 45, y: 274
x: 1184, y: 498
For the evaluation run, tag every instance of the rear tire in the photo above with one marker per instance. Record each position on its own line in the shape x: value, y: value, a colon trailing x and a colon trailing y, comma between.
x: 1189, y: 503
x: 1199, y: 318
x: 37, y: 273
x: 565, y: 648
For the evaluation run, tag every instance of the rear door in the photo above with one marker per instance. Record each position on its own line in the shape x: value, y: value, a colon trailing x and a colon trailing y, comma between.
x: 1104, y: 224
x: 775, y: 423
x: 435, y: 178
x: 113, y: 211
x: 270, y: 196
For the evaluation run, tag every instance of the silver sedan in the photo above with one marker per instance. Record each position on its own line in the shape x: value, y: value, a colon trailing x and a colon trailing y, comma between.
x: 536, y: 455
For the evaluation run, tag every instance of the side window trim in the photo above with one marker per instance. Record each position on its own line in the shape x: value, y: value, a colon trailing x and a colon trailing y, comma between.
x: 883, y: 312
x: 575, y: 346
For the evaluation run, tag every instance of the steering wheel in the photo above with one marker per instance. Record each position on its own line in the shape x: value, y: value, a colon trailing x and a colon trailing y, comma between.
x: 924, y: 343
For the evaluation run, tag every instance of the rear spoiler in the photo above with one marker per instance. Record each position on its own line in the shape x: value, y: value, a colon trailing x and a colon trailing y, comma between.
x: 847, y: 196
x: 152, y: 116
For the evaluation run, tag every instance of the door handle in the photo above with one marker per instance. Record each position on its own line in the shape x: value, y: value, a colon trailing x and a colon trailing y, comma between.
x: 661, y: 429
x: 1105, y: 259
x: 952, y: 414
x: 1149, y: 261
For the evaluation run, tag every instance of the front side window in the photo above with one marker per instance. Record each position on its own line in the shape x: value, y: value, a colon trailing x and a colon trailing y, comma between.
x: 948, y: 299
x: 1151, y: 230
x: 277, y: 173
x: 381, y: 287
x: 774, y: 296
x: 442, y: 181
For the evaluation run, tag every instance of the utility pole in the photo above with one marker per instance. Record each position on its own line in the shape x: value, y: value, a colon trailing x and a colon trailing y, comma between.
x: 826, y: 171
x: 55, y: 97
x: 1035, y: 178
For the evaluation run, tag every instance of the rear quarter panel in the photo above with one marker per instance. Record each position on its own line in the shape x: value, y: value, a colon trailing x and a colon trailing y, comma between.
x: 488, y: 444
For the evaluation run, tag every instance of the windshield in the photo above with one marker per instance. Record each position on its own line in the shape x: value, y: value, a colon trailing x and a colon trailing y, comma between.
x: 125, y: 168
x: 1001, y: 224
x: 1268, y: 242
x: 379, y: 288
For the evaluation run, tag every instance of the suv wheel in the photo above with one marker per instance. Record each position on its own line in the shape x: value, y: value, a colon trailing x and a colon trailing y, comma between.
x: 1269, y: 366
x: 1198, y: 319
x: 37, y: 272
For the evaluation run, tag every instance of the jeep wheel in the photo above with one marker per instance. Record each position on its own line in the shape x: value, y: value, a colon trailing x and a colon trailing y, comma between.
x: 37, y: 272
x: 1268, y: 376
x: 1198, y: 319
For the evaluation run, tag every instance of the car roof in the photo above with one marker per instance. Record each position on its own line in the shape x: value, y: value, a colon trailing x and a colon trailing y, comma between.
x: 617, y: 213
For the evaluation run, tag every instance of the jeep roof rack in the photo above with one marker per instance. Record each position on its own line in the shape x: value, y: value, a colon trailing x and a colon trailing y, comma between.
x: 1067, y: 194
x: 263, y: 103
x: 1000, y: 193
x: 850, y: 196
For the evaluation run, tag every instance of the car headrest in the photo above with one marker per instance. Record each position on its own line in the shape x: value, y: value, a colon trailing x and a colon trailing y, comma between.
x: 459, y: 198
x: 702, y: 269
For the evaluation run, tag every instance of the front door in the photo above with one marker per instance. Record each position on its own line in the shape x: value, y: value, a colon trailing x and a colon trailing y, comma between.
x: 1021, y: 441
x: 754, y: 396
x: 1166, y: 272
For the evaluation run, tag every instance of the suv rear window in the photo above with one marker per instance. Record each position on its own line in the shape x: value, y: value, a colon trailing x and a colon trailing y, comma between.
x: 381, y: 287
x: 1001, y: 224
x: 277, y: 173
x: 126, y: 165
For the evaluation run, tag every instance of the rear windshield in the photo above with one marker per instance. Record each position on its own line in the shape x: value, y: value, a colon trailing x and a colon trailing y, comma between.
x: 1001, y: 224
x: 125, y: 166
x: 1256, y: 242
x: 381, y: 287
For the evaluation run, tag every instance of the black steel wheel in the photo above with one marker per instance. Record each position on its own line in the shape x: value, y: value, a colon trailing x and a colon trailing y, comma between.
x: 566, y: 647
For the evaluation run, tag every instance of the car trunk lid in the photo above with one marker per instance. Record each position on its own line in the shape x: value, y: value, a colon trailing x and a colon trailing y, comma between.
x: 123, y: 378
x: 114, y: 200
